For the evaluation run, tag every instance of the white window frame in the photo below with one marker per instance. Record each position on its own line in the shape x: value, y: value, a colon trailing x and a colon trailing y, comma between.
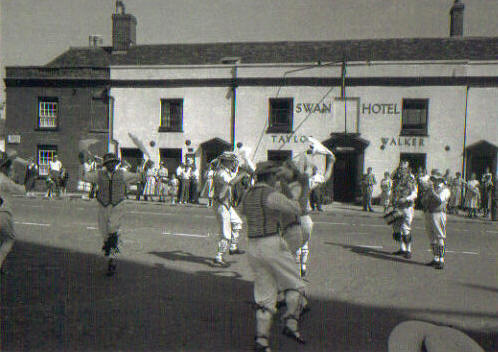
x: 47, y: 113
x: 45, y: 156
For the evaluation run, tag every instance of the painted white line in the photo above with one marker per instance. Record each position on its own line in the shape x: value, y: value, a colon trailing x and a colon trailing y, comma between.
x: 373, y: 225
x: 457, y: 252
x: 185, y: 234
x: 152, y: 213
x: 377, y: 247
x: 31, y: 223
x: 491, y: 231
x: 332, y: 223
x: 91, y: 228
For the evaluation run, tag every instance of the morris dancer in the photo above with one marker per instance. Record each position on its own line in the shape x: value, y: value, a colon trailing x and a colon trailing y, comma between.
x: 435, y: 200
x: 228, y: 219
x: 111, y: 181
x: 269, y: 255
x: 7, y: 187
x: 404, y: 195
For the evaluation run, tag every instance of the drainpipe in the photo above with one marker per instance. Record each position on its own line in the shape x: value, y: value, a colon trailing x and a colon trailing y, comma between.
x: 233, y: 105
x: 464, y: 155
x: 112, y: 145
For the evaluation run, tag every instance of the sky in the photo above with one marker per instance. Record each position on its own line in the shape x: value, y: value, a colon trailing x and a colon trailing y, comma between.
x: 33, y: 32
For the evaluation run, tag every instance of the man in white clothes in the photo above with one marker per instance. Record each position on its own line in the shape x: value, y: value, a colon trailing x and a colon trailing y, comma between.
x: 435, y: 200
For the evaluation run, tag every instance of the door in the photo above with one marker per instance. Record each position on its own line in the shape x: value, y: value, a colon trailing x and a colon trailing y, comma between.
x: 172, y: 158
x: 415, y: 160
x: 345, y: 176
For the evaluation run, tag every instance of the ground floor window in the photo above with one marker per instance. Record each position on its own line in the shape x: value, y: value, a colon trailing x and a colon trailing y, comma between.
x: 279, y: 155
x: 46, y: 154
x: 132, y: 156
x: 417, y: 161
x: 171, y: 158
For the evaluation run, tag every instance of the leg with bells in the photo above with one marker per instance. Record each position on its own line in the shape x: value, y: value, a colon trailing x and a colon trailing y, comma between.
x: 235, y: 226
x: 109, y: 222
x: 440, y: 232
x: 223, y: 217
x: 307, y: 228
x: 397, y: 236
x: 429, y: 229
x: 265, y: 293
x: 406, y: 237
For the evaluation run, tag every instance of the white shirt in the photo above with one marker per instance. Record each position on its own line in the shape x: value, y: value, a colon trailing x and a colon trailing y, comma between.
x: 56, y: 165
x: 316, y: 180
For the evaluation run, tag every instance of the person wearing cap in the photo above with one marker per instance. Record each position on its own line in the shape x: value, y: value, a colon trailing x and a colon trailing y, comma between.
x: 434, y: 202
x: 112, y: 182
x: 403, y: 200
x: 228, y: 219
x: 269, y: 213
x: 7, y: 188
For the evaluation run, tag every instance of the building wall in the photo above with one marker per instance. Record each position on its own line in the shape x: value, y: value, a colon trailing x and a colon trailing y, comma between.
x: 317, y: 109
x: 76, y: 108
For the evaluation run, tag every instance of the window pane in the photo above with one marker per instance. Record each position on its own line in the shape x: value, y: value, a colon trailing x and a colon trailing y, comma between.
x: 172, y: 114
x: 414, y: 118
x: 281, y: 113
x: 47, y: 113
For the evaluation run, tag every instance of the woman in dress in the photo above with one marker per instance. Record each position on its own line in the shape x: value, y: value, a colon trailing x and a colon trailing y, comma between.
x: 456, y: 185
x: 150, y: 182
x: 386, y: 186
x: 472, y: 197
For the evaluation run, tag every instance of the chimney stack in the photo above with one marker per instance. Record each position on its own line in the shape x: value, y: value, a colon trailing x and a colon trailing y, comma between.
x: 124, y: 29
x: 456, y: 19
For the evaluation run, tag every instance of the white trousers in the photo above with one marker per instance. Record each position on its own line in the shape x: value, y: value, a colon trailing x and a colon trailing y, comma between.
x: 435, y: 227
x: 274, y: 268
x: 403, y: 225
x: 110, y: 218
x: 230, y: 226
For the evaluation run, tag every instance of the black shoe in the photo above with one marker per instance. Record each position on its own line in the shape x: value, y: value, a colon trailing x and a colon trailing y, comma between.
x: 408, y: 255
x: 235, y: 251
x: 400, y: 252
x: 439, y: 265
x: 431, y: 263
x: 219, y: 262
x: 295, y: 335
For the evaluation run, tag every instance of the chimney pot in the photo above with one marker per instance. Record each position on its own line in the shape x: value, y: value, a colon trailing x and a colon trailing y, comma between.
x: 456, y: 19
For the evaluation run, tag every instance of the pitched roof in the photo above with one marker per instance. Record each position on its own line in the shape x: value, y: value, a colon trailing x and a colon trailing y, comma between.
x: 464, y: 48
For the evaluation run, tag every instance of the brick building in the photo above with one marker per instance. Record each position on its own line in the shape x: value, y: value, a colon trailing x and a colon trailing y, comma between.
x: 374, y: 102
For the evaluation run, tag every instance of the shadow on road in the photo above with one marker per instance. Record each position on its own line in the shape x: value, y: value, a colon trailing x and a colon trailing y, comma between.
x: 186, y: 257
x: 55, y: 299
x: 376, y: 253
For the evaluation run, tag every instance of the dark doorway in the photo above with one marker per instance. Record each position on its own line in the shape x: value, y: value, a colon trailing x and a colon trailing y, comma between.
x: 172, y: 158
x: 415, y: 160
x: 210, y: 150
x: 344, y: 176
x: 349, y: 150
x: 279, y: 155
x: 132, y: 156
x: 480, y: 156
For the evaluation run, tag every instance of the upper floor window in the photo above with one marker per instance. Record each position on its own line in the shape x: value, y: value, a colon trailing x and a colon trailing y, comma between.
x: 171, y: 115
x: 280, y: 115
x: 48, y: 111
x: 415, y: 117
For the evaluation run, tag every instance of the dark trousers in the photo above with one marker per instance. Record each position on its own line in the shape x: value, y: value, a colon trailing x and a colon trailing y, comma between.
x: 140, y: 189
x: 194, y: 194
x: 367, y: 201
x: 316, y: 198
x: 184, y: 198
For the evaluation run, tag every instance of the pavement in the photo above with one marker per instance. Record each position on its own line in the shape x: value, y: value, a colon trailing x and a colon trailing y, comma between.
x: 167, y: 296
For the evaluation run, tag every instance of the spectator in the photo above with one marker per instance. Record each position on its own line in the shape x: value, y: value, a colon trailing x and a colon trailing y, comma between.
x: 194, y: 185
x: 54, y: 177
x: 179, y: 175
x: 472, y: 196
x: 185, y: 184
x: 173, y: 188
x: 141, y: 179
x: 316, y: 180
x: 386, y: 187
x: 208, y: 188
x: 150, y: 181
x: 31, y: 175
x: 487, y: 192
x: 456, y: 186
x: 368, y: 185
x: 162, y: 182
